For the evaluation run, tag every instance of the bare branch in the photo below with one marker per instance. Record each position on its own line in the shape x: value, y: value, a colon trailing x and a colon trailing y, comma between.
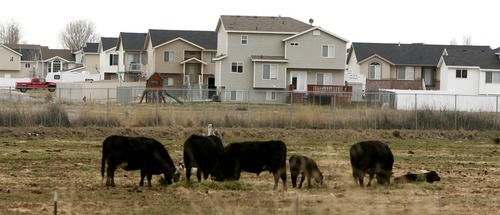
x: 77, y: 33
x: 10, y: 33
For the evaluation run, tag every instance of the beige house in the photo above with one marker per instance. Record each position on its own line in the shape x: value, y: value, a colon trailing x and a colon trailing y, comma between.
x: 10, y: 63
x: 183, y: 59
x: 260, y: 58
x: 131, y: 57
x: 87, y: 59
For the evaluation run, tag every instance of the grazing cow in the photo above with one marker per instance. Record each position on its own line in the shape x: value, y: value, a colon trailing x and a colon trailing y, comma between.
x: 429, y: 177
x: 300, y: 164
x: 253, y: 157
x: 136, y: 153
x: 372, y: 158
x: 201, y: 152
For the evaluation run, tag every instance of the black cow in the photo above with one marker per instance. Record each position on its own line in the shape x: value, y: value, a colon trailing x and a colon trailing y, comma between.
x: 136, y: 153
x: 253, y: 157
x: 429, y: 177
x: 372, y: 158
x: 201, y: 152
x: 304, y: 165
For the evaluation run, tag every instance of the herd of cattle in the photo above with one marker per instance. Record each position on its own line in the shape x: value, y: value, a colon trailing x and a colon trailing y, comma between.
x: 209, y: 156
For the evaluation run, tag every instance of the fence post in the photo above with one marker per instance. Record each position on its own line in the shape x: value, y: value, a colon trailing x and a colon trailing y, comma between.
x: 107, y: 110
x: 158, y: 100
x: 416, y: 113
x: 334, y: 110
x: 291, y: 108
x: 455, y: 112
x: 496, y: 118
x: 11, y: 106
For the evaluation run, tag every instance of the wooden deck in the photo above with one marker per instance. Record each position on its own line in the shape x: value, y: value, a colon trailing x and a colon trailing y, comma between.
x: 323, y: 94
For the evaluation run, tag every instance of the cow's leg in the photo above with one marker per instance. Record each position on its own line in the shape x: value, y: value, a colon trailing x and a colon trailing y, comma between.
x: 198, y: 174
x: 188, y: 166
x: 205, y: 175
x: 361, y: 176
x: 370, y: 179
x: 302, y: 178
x: 150, y: 176
x: 283, y: 177
x: 143, y: 174
x: 110, y: 175
x: 294, y: 176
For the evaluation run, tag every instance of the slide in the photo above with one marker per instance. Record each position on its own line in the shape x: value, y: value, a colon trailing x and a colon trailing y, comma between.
x: 174, y: 97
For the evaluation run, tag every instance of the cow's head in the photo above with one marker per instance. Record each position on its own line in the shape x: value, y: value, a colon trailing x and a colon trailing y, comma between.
x: 432, y: 176
x: 384, y: 176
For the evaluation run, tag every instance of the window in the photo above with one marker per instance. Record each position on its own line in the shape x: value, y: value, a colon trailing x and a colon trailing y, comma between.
x: 236, y: 95
x: 11, y: 59
x: 57, y: 77
x: 244, y: 39
x: 56, y: 66
x: 270, y: 95
x: 375, y: 70
x: 328, y: 51
x: 406, y: 73
x: 493, y: 77
x: 169, y: 81
x: 461, y: 73
x: 324, y: 79
x: 192, y: 54
x: 294, y: 44
x: 113, y: 59
x: 316, y: 33
x: 168, y: 57
x: 237, y: 67
x: 270, y: 71
x: 27, y: 65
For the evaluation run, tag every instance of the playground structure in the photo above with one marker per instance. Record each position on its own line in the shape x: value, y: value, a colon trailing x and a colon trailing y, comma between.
x: 154, y: 92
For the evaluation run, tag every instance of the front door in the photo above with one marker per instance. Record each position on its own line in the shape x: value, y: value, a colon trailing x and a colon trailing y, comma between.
x: 299, y: 81
x: 428, y: 77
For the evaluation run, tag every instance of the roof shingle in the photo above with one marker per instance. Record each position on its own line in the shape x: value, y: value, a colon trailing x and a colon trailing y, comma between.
x: 263, y: 23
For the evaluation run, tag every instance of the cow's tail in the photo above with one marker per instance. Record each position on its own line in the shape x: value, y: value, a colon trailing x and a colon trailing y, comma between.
x: 104, y: 155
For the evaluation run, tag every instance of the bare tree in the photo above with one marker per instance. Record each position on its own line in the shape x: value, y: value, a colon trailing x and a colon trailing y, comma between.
x: 76, y: 33
x: 453, y: 42
x: 10, y: 33
x: 467, y: 40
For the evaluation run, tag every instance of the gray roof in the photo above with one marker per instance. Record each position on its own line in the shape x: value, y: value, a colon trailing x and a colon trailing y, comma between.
x: 132, y: 41
x: 481, y: 56
x: 263, y: 23
x: 405, y: 54
x: 205, y: 39
x: 108, y: 42
x: 28, y: 52
x: 91, y: 48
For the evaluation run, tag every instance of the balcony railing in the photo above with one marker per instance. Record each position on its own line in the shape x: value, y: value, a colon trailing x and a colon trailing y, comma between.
x: 324, y: 89
x: 134, y: 67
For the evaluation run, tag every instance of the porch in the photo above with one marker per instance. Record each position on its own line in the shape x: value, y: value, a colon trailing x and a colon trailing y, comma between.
x: 322, y: 95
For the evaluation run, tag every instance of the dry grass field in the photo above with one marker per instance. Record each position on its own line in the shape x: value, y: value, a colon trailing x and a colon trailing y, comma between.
x: 37, y: 161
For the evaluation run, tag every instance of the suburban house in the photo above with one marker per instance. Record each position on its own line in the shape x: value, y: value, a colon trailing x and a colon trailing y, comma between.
x: 261, y: 58
x: 131, y: 56
x: 420, y: 66
x: 108, y: 58
x: 87, y: 58
x: 38, y: 61
x: 183, y: 59
x: 10, y: 63
x: 472, y: 70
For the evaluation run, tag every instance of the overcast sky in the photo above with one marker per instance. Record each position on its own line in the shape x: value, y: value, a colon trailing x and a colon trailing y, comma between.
x: 382, y: 21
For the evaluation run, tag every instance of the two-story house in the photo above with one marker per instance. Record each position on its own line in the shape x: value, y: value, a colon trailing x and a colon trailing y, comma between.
x: 471, y: 70
x: 131, y: 56
x: 108, y: 58
x: 182, y: 58
x: 419, y: 66
x: 87, y: 58
x: 259, y: 58
x: 56, y: 60
x: 10, y: 62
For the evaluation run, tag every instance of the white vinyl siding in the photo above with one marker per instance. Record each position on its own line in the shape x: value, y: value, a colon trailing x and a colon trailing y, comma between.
x: 270, y: 71
x: 406, y: 73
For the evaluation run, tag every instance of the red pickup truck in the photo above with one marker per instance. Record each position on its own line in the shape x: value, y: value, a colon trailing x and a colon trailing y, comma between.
x: 36, y: 83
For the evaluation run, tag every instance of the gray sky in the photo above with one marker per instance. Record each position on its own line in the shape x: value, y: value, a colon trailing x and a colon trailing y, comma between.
x: 382, y: 21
